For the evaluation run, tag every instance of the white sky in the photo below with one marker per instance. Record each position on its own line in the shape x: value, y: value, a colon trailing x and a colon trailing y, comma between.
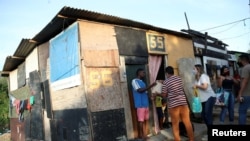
x: 23, y: 19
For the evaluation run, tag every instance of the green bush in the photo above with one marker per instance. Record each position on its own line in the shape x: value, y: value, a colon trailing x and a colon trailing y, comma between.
x: 4, y: 104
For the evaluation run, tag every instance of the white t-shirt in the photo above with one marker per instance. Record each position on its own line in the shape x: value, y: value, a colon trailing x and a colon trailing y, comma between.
x: 205, y: 94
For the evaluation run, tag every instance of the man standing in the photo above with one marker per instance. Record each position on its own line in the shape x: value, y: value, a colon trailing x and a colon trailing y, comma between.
x: 141, y: 101
x: 244, y: 93
x: 177, y: 104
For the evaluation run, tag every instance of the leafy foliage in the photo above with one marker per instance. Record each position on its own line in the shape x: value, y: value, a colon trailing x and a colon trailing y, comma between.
x: 4, y: 104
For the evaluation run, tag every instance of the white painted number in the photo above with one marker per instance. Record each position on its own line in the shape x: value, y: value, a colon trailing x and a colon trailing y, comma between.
x: 156, y: 42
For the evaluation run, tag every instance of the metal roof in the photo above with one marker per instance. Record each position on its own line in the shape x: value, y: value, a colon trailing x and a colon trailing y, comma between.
x: 65, y: 17
x: 201, y: 35
x: 12, y: 62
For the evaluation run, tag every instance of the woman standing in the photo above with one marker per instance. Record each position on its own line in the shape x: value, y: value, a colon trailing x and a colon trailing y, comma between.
x: 226, y: 82
x: 206, y: 93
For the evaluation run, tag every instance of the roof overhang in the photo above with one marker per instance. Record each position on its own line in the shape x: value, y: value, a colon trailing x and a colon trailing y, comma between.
x: 64, y: 18
x: 12, y: 62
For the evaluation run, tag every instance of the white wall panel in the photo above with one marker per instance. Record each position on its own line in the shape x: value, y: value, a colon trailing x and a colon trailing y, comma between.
x: 13, y: 80
x: 31, y: 62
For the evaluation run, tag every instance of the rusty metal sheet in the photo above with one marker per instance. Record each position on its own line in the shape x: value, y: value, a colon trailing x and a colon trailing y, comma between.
x: 17, y: 130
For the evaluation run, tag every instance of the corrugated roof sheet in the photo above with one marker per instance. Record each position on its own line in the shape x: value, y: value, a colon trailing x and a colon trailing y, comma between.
x: 12, y: 62
x: 65, y: 17
x: 25, y: 47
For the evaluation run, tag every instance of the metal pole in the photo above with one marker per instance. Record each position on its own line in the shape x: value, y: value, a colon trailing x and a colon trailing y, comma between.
x: 187, y: 21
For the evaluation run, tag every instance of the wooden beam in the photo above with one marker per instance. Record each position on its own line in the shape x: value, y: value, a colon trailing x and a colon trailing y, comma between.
x: 61, y: 16
x: 16, y: 57
x: 4, y: 73
x: 32, y: 41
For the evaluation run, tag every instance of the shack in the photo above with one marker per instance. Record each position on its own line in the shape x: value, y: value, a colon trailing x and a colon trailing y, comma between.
x: 76, y: 73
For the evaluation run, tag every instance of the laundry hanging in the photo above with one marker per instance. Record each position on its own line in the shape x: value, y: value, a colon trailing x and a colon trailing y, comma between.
x: 21, y: 105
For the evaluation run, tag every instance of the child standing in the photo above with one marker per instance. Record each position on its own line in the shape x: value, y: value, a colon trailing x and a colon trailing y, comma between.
x: 158, y: 105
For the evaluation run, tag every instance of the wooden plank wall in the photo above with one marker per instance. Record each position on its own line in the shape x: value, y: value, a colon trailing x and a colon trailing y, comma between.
x: 43, y: 55
x: 103, y: 89
x: 71, y: 98
x: 100, y: 66
x: 21, y: 75
x: 31, y: 62
x: 36, y: 116
x: 101, y: 77
x: 178, y: 48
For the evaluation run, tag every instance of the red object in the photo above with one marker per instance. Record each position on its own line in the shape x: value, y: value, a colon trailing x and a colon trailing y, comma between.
x: 28, y: 105
x: 17, y: 105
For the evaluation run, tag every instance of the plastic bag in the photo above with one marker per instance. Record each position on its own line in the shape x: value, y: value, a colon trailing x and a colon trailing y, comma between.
x: 221, y: 97
x: 196, y: 103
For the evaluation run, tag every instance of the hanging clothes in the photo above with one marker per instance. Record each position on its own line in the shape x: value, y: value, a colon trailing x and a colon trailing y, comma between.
x: 22, y: 108
x: 32, y: 100
x: 28, y: 107
x: 12, y: 100
x: 16, y: 104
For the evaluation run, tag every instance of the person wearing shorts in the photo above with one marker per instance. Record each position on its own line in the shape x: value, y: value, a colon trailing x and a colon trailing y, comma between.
x: 142, y: 114
x: 141, y: 101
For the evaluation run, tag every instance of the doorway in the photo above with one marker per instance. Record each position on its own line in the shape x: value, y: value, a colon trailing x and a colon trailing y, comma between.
x: 131, y: 74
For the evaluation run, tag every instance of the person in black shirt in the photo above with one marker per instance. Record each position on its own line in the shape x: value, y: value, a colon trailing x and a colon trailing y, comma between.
x: 226, y: 82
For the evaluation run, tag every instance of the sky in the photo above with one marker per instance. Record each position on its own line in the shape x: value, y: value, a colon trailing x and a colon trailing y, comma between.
x: 226, y: 20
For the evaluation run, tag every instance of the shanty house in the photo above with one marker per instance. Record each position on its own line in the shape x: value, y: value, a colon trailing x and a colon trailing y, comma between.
x: 78, y: 70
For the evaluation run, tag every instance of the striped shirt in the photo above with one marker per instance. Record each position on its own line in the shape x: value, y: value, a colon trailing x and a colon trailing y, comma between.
x: 173, y: 87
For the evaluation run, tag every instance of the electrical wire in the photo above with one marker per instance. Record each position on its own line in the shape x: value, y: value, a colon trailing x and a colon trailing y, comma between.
x: 238, y: 36
x: 225, y: 24
x: 235, y: 36
x: 226, y: 29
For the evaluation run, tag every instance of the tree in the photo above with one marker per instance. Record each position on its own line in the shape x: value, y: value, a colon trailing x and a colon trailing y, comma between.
x: 4, y: 104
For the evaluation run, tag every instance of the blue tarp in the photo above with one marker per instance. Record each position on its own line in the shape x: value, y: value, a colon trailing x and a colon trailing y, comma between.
x: 64, y: 54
